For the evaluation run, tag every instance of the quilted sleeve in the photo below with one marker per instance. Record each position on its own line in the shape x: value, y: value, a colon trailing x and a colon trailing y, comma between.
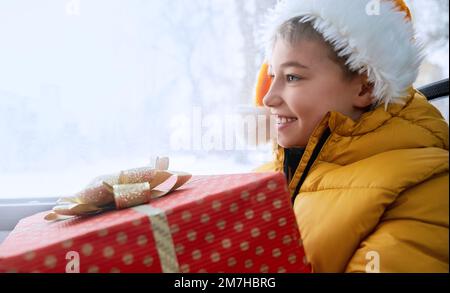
x: 412, y: 235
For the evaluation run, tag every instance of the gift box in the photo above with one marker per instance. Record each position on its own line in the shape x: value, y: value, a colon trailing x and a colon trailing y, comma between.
x: 232, y: 223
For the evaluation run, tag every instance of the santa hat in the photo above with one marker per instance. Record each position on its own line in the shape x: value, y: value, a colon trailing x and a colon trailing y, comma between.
x: 377, y: 36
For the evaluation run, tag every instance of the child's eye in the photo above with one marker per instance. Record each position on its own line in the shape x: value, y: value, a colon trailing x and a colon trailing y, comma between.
x: 291, y: 78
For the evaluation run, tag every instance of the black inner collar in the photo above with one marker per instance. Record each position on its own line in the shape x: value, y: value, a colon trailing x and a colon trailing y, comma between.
x: 292, y: 157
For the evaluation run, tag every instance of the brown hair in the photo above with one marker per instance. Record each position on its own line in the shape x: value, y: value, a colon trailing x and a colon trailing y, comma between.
x: 294, y: 30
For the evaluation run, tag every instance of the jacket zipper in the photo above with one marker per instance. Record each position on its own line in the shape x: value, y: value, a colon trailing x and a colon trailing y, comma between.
x: 323, y: 139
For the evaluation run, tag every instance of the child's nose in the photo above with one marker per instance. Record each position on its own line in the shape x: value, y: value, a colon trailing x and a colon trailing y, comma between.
x: 272, y: 98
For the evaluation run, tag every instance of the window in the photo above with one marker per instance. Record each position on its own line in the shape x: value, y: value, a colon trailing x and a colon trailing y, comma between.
x: 431, y: 20
x: 98, y: 86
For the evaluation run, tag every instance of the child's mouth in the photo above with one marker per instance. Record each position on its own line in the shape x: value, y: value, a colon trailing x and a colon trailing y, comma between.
x: 283, y: 122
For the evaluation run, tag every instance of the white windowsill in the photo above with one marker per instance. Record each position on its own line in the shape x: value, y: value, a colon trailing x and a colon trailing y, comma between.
x: 11, y: 211
x: 3, y: 235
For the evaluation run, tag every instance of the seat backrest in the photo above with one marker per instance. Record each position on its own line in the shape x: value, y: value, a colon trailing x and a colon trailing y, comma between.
x: 435, y: 90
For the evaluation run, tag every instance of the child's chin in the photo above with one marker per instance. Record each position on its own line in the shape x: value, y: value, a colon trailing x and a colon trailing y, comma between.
x: 285, y: 143
x: 288, y: 143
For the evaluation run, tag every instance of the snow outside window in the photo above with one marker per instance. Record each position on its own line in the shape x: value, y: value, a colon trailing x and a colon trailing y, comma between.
x: 89, y: 87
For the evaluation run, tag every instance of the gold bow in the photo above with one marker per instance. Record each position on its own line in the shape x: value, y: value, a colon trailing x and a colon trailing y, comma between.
x: 119, y: 191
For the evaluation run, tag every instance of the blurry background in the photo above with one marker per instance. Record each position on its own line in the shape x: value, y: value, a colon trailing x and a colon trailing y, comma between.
x: 98, y: 86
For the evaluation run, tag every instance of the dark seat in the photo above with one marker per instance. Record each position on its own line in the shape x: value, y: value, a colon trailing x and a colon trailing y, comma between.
x: 435, y: 90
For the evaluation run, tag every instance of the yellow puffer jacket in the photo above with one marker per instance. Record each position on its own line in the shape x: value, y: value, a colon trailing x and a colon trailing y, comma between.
x: 377, y: 194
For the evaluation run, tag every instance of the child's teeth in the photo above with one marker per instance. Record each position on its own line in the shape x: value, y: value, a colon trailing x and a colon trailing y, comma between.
x: 284, y: 120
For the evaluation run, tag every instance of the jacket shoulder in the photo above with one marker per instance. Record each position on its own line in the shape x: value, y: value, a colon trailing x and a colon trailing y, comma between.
x: 268, y: 167
x: 412, y: 235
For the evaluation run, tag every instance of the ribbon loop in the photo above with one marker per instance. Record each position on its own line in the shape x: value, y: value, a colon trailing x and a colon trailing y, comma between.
x: 126, y: 189
x: 129, y: 195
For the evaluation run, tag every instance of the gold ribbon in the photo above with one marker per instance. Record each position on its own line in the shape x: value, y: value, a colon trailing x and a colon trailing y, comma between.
x: 163, y: 238
x: 126, y: 189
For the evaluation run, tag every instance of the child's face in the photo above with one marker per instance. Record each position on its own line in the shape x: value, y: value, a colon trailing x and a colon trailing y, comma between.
x: 306, y: 84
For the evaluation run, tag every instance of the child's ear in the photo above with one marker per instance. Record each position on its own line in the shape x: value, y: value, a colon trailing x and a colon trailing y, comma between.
x: 365, y: 97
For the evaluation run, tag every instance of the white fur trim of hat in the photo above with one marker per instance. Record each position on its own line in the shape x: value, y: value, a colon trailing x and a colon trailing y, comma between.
x: 382, y: 45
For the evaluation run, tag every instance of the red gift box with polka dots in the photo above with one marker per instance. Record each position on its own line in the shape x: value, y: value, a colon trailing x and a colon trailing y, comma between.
x: 240, y: 223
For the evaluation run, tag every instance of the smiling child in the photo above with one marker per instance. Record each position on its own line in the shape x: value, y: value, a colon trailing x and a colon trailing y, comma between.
x: 364, y: 153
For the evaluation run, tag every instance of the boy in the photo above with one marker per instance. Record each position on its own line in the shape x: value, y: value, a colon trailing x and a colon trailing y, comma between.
x: 365, y: 155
